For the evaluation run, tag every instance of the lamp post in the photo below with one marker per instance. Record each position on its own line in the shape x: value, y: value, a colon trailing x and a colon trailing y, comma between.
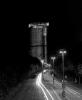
x: 45, y: 40
x: 62, y: 52
x: 53, y: 58
x: 42, y: 61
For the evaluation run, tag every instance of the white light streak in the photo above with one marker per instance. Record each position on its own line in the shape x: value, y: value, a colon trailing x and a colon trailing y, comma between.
x: 38, y: 82
x: 43, y: 88
x: 72, y: 91
x: 48, y: 92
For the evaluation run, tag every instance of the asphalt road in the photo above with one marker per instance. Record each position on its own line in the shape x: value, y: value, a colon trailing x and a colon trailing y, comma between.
x: 42, y: 88
x: 71, y: 93
x: 28, y: 91
x: 34, y: 89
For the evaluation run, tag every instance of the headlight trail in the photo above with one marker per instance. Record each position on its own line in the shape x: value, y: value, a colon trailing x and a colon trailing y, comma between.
x: 43, y: 88
x: 48, y: 91
x: 38, y: 83
x: 48, y: 95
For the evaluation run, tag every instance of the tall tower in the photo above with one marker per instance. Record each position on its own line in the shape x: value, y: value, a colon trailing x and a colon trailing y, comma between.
x: 39, y: 40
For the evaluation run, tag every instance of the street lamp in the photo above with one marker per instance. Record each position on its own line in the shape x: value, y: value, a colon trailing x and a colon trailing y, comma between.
x: 63, y: 52
x: 53, y: 58
x: 42, y: 61
x: 45, y: 40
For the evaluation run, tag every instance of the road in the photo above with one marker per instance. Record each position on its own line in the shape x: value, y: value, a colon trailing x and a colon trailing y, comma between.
x: 34, y: 89
x: 42, y: 88
x: 27, y: 91
x: 70, y: 92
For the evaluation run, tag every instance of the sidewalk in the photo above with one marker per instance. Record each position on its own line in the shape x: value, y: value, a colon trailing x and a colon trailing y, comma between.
x: 75, y: 86
x: 58, y: 88
x: 48, y: 81
x: 72, y: 85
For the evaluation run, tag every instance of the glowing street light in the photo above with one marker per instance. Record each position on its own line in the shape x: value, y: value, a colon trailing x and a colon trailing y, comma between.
x: 63, y: 52
x: 42, y: 61
x: 53, y: 58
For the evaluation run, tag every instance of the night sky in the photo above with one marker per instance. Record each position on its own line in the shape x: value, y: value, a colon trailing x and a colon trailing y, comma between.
x: 64, y: 31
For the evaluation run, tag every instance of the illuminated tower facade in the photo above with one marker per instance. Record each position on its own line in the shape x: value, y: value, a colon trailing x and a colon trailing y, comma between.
x: 39, y: 40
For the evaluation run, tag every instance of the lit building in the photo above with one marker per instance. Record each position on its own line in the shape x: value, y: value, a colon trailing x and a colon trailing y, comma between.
x: 39, y: 40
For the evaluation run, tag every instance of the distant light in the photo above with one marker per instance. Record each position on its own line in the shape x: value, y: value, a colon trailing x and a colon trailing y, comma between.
x: 53, y: 58
x: 35, y: 26
x: 44, y: 24
x: 47, y: 24
x: 46, y: 64
x: 44, y: 70
x: 63, y: 51
x: 38, y: 25
x: 29, y: 25
x: 42, y: 61
x: 49, y: 65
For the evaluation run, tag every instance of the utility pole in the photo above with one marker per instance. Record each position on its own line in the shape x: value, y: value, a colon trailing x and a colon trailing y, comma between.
x: 45, y: 42
x: 62, y: 52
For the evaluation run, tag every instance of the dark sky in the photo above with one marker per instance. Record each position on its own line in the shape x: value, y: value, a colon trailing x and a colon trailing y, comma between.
x: 65, y: 28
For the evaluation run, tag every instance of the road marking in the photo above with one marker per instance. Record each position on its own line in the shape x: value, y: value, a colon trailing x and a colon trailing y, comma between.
x: 48, y: 92
x: 44, y: 93
x: 38, y: 83
x: 43, y: 88
x: 70, y: 90
x: 73, y: 92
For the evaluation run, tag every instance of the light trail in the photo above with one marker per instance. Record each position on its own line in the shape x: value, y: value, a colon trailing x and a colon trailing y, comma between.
x: 48, y: 91
x: 43, y: 88
x: 38, y: 83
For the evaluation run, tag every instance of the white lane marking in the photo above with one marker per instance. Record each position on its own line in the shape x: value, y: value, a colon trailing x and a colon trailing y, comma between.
x: 57, y: 95
x: 41, y: 85
x: 44, y: 93
x: 73, y: 92
x: 38, y: 83
x: 48, y: 92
